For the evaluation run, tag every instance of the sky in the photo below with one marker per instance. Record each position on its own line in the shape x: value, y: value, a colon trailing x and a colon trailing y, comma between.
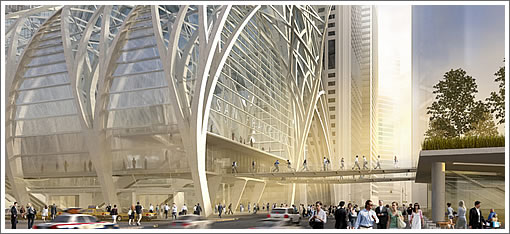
x: 451, y: 37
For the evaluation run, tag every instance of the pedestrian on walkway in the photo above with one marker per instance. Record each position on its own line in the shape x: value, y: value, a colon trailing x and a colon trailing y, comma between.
x: 395, y: 217
x: 114, y: 212
x: 341, y: 216
x: 382, y: 215
x: 253, y: 166
x: 199, y: 209
x: 184, y: 209
x: 249, y: 208
x: 44, y: 213
x: 174, y: 211
x: 395, y: 162
x: 131, y: 216
x: 366, y: 217
x: 230, y: 209
x: 319, y: 217
x: 325, y: 162
x: 416, y: 217
x: 151, y: 208
x: 276, y: 166
x: 378, y: 162
x: 356, y: 163
x: 108, y: 208
x: 220, y: 209
x: 166, y: 210
x: 289, y: 166
x: 449, y: 212
x: 461, y: 222
x: 241, y: 208
x: 305, y: 165
x: 476, y: 220
x: 352, y: 216
x: 365, y: 163
x: 139, y: 213
x: 409, y: 214
x: 234, y: 167
x: 30, y: 215
x: 342, y: 164
x: 14, y: 215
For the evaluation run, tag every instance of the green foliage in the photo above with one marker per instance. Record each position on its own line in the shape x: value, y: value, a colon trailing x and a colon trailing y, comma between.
x: 454, y: 110
x: 497, y: 99
x: 439, y: 143
x: 484, y: 127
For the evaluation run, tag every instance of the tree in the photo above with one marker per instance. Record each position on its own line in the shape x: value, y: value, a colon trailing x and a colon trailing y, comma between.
x: 497, y: 99
x: 454, y: 109
x: 436, y: 129
x: 484, y: 127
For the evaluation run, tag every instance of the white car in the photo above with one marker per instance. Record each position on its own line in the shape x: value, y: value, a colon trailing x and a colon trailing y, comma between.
x: 76, y: 221
x: 286, y: 214
x: 191, y: 221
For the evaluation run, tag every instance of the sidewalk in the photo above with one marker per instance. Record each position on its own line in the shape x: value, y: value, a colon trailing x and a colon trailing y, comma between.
x: 224, y: 217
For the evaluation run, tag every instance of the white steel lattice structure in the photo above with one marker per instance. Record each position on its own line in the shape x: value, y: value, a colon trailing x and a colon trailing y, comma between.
x: 107, y: 99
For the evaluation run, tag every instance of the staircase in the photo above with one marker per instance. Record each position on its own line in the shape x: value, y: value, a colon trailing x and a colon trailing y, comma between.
x: 37, y: 204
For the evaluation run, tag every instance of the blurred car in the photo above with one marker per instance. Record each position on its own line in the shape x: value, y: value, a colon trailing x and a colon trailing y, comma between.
x: 98, y: 213
x: 286, y: 214
x: 76, y: 221
x: 191, y: 221
x: 276, y: 224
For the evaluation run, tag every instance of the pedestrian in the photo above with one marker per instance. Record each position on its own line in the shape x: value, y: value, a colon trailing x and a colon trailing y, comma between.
x: 30, y: 215
x: 14, y: 215
x: 157, y: 209
x: 378, y: 162
x: 461, y: 222
x: 139, y: 211
x: 449, y: 212
x: 253, y: 166
x: 220, y: 210
x: 289, y: 165
x: 249, y: 208
x: 276, y: 166
x: 395, y: 162
x: 395, y: 217
x: 409, y: 214
x: 267, y: 207
x: 241, y: 208
x: 366, y: 217
x: 492, y: 218
x: 53, y: 211
x: 184, y: 210
x: 356, y: 163
x: 131, y: 216
x: 199, y: 209
x: 325, y: 164
x: 382, y: 215
x: 365, y: 163
x: 195, y: 209
x: 476, y: 220
x: 319, y: 218
x: 416, y: 217
x: 109, y: 208
x: 114, y: 213
x: 234, y: 167
x: 44, y: 213
x: 230, y: 209
x: 151, y: 208
x: 166, y: 210
x: 174, y: 211
x: 305, y: 165
x: 342, y: 164
x: 341, y: 216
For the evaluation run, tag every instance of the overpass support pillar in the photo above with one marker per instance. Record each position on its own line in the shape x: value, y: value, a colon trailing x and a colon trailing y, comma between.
x: 214, y: 183
x: 438, y: 191
x: 237, y: 193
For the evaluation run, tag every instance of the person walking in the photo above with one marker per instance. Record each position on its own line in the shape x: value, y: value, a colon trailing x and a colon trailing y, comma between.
x: 352, y: 215
x: 305, y: 165
x: 230, y: 209
x: 356, y: 163
x: 44, y: 213
x: 166, y: 210
x: 366, y: 217
x: 184, y: 210
x: 276, y: 166
x: 492, y: 218
x: 449, y: 212
x: 382, y: 215
x: 53, y: 211
x: 461, y: 222
x: 253, y: 166
x: 234, y: 167
x: 365, y: 163
x: 342, y: 164
x: 174, y: 211
x: 30, y: 215
x: 249, y: 208
x: 151, y: 208
x: 289, y: 166
x: 325, y: 164
x: 14, y: 215
x: 409, y: 214
x: 416, y: 217
x: 114, y: 212
x: 378, y: 162
x: 395, y: 162
x: 131, y: 216
x: 139, y: 211
x: 319, y: 217
x: 476, y: 220
x: 220, y: 210
x: 395, y: 217
x: 241, y: 208
x: 109, y: 208
x: 199, y: 209
x: 341, y: 216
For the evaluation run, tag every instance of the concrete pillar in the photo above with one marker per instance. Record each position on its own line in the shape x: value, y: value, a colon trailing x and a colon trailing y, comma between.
x: 85, y: 199
x: 178, y: 199
x: 438, y: 191
x: 237, y: 192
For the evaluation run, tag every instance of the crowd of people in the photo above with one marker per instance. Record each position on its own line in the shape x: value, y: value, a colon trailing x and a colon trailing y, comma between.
x: 326, y: 166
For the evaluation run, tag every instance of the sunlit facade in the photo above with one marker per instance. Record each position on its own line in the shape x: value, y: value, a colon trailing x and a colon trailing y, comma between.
x: 118, y: 104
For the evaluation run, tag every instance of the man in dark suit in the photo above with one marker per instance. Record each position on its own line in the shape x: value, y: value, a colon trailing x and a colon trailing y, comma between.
x: 476, y: 220
x: 14, y: 216
x: 53, y: 211
x: 341, y: 216
x: 382, y: 215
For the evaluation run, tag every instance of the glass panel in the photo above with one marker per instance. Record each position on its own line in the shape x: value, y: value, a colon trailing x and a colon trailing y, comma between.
x: 44, y: 94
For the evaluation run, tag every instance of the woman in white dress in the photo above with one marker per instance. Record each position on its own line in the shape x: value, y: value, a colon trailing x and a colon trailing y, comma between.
x: 417, y: 217
x: 461, y: 216
x: 44, y: 213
